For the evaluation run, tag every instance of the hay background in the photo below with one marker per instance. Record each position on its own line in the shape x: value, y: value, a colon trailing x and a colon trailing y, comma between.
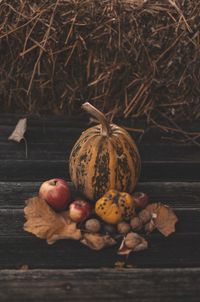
x: 136, y: 58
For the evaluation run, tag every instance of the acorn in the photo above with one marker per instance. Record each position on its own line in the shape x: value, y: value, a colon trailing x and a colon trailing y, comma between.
x: 93, y: 225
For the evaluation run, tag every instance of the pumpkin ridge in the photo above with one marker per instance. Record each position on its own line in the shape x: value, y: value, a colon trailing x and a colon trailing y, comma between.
x: 112, y: 164
x: 129, y: 151
x: 100, y: 178
x: 134, y: 153
x: 82, y: 162
x: 122, y: 170
x: 76, y: 166
x: 91, y: 164
x: 136, y: 159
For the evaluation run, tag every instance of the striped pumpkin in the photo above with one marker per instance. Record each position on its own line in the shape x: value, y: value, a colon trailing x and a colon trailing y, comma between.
x: 104, y: 157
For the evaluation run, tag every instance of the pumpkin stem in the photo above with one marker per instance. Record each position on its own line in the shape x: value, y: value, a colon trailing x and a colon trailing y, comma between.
x: 106, y: 130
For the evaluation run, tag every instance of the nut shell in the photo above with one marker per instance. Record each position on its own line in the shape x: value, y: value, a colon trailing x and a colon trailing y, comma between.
x: 149, y: 227
x: 136, y: 224
x: 132, y: 240
x: 145, y: 216
x: 123, y: 227
x: 93, y: 225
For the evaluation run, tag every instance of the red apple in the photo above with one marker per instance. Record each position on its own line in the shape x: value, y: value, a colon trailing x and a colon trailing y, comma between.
x: 79, y: 210
x: 56, y: 192
x: 141, y: 199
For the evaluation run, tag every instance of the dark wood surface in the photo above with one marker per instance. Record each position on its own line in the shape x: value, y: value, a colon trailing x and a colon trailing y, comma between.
x: 67, y: 271
x: 98, y: 284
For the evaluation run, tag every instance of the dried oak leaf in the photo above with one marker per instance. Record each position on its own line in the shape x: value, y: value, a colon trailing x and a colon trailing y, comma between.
x: 19, y: 131
x: 163, y: 217
x: 97, y: 241
x: 43, y: 222
x: 132, y: 242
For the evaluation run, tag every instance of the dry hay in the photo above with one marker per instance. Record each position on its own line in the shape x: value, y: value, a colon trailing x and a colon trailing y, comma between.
x: 131, y: 58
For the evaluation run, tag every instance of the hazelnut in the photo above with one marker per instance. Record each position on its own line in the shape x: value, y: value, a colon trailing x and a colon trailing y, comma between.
x: 92, y: 225
x: 136, y: 223
x: 145, y: 216
x: 123, y: 227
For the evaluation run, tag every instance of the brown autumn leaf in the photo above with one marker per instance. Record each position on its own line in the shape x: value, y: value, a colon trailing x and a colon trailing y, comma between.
x: 97, y: 241
x: 43, y: 222
x: 19, y: 131
x: 163, y: 217
x: 132, y: 242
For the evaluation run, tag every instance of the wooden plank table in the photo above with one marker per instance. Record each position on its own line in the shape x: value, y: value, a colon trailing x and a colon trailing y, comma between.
x: 67, y: 271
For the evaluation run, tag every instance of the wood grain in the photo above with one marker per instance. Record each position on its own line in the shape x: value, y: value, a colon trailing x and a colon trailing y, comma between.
x: 15, y: 229
x: 38, y: 170
x: 169, y: 271
x: 58, y: 149
x: 176, y: 194
x: 179, y: 250
x: 18, y: 247
x: 33, y: 120
x: 139, y: 285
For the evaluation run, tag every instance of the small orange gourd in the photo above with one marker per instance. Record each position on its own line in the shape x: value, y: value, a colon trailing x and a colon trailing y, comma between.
x: 115, y: 206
